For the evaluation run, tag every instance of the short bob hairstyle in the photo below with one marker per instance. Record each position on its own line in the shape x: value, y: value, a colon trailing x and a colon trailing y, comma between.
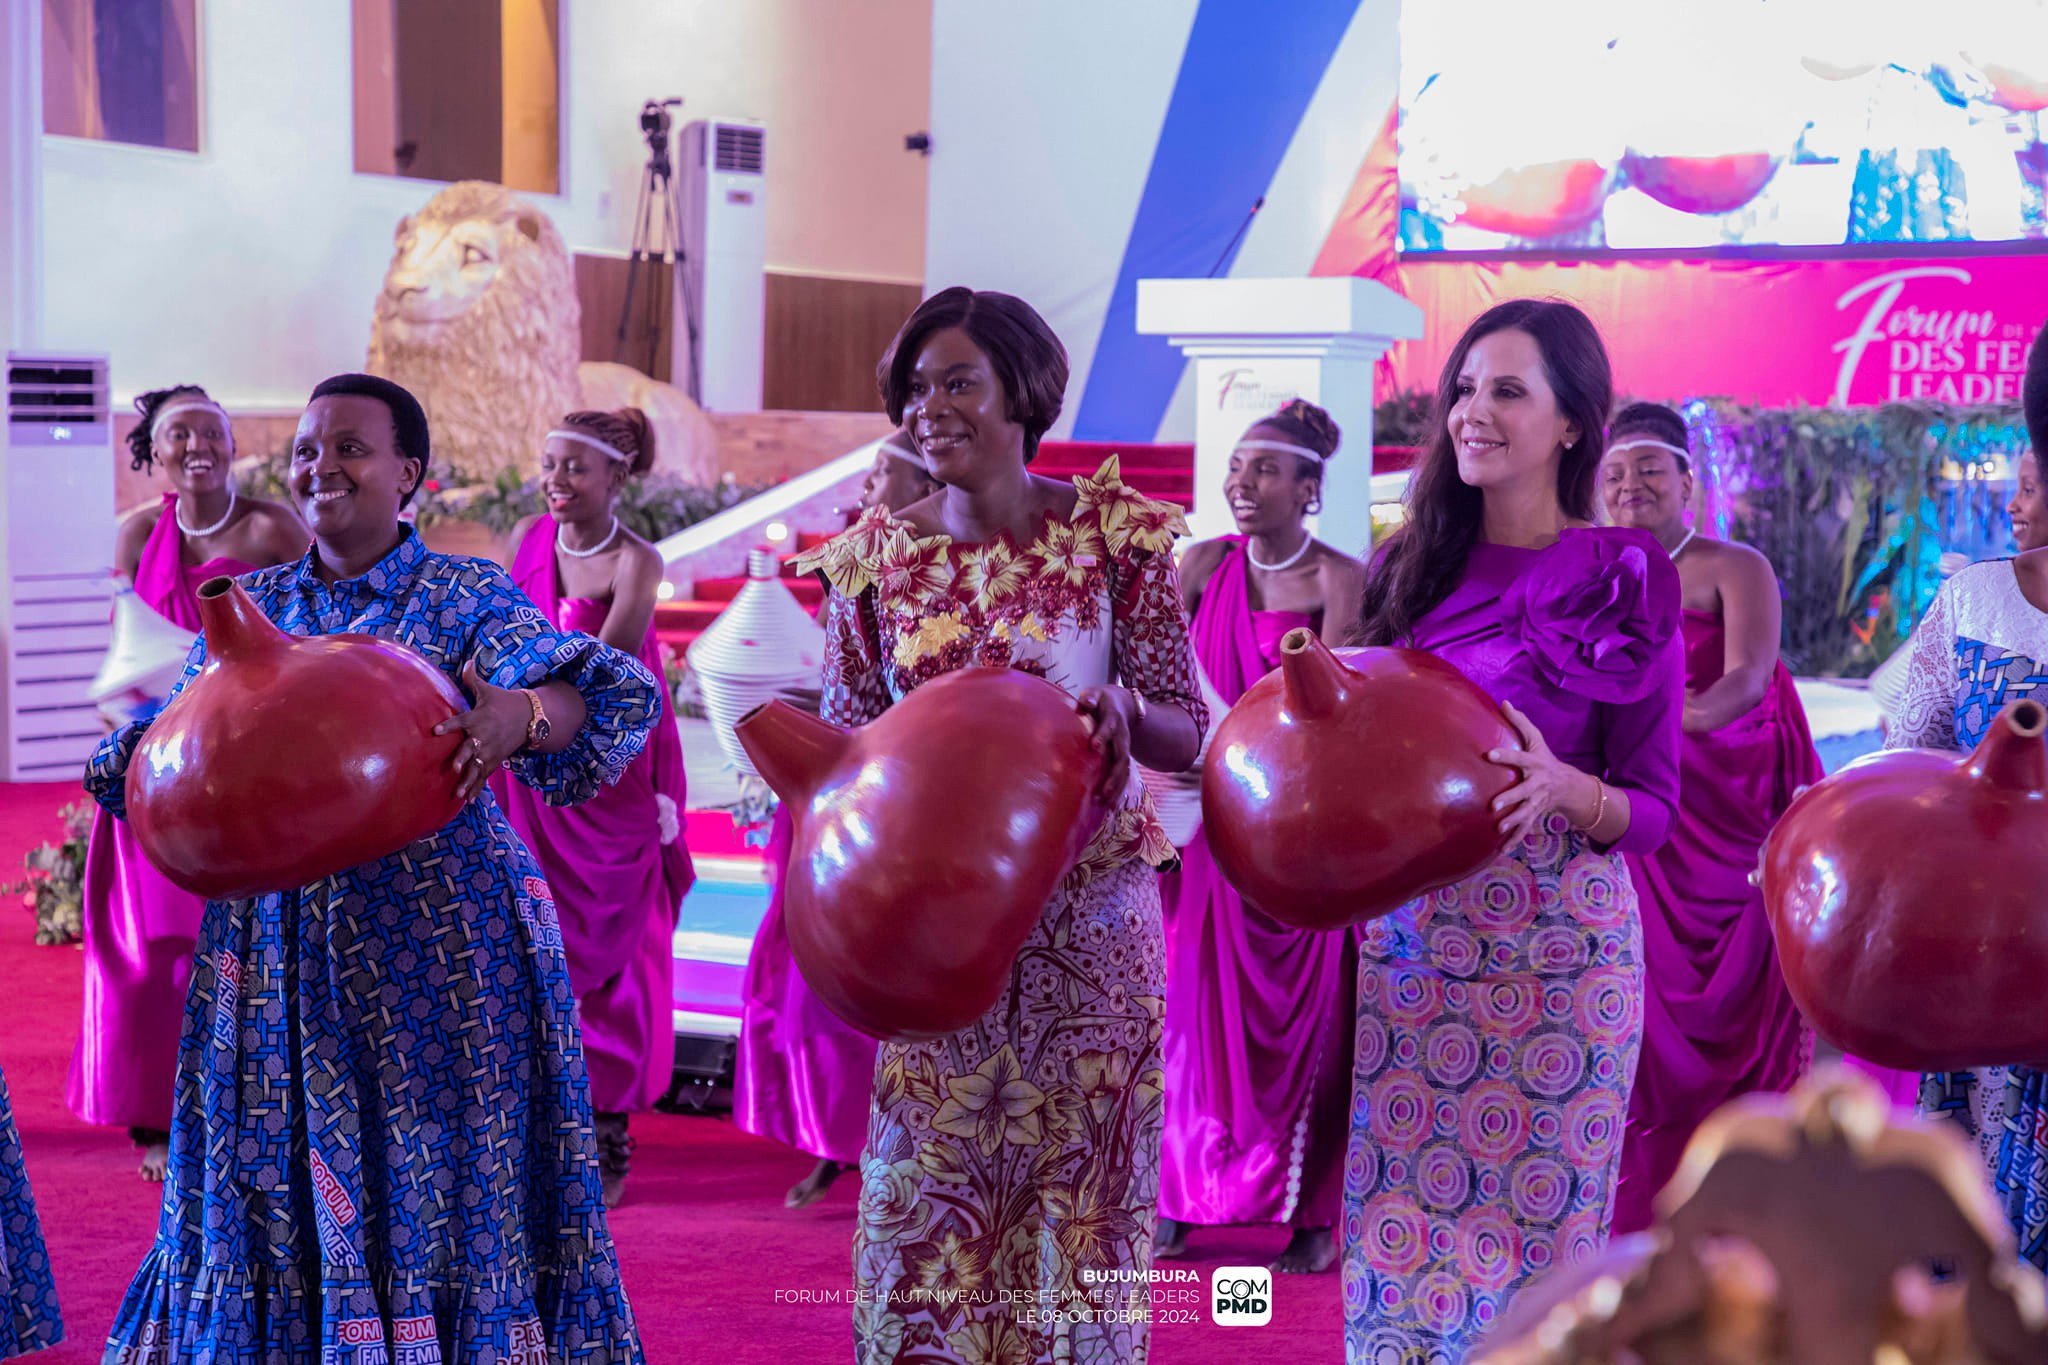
x: 1028, y: 359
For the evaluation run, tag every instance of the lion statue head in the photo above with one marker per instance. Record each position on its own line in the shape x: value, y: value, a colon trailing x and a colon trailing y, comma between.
x: 479, y: 318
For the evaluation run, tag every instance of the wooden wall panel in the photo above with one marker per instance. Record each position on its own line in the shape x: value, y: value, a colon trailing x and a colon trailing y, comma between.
x: 824, y: 335
x: 768, y: 447
x: 601, y: 289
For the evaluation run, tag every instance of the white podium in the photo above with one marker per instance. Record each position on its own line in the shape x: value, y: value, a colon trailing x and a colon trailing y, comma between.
x: 1257, y: 344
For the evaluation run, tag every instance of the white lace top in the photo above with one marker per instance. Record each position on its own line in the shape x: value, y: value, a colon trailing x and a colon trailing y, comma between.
x: 1981, y: 646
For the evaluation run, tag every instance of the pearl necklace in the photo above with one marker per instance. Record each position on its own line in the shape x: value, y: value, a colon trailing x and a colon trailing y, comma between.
x: 598, y: 548
x: 200, y: 532
x: 1287, y: 563
x: 1678, y: 548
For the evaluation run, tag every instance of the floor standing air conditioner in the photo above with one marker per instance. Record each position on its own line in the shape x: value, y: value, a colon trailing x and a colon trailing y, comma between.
x: 724, y: 214
x: 56, y: 543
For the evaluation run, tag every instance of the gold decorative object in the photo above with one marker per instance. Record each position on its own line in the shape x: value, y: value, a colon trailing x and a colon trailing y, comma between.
x: 1815, y: 1228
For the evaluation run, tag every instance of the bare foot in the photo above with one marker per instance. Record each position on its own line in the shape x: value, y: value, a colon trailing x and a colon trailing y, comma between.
x: 614, y: 1155
x: 1170, y: 1240
x: 812, y: 1187
x: 1311, y: 1251
x: 156, y: 1152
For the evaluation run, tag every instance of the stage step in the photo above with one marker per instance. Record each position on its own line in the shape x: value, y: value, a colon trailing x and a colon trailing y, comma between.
x: 808, y: 590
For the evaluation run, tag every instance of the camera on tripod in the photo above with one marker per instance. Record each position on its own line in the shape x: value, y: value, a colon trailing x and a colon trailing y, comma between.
x: 657, y: 236
x: 654, y: 121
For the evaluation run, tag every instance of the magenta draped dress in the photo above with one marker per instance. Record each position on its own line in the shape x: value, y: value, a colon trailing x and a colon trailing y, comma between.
x: 1499, y: 1018
x: 1257, y: 1040
x: 805, y: 1075
x: 139, y: 929
x: 618, y: 868
x: 1718, y: 1020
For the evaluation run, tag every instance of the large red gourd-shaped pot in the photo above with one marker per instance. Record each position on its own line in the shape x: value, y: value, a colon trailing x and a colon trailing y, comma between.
x: 926, y: 843
x: 1342, y: 786
x: 290, y: 758
x: 1909, y: 897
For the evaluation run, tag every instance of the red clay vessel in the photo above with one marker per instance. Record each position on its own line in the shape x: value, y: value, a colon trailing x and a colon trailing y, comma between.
x: 291, y: 758
x: 1341, y: 786
x: 1906, y: 893
x: 927, y: 843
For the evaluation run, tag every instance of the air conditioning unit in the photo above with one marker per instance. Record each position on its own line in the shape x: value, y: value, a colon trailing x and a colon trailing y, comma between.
x: 725, y: 232
x: 57, y: 546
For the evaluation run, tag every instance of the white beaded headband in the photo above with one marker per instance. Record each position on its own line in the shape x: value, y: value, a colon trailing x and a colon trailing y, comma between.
x: 903, y: 453
x: 170, y: 410
x: 1285, y: 446
x: 605, y: 448
x: 1652, y: 443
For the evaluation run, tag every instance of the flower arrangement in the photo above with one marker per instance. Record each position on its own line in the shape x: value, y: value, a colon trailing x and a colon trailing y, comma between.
x: 55, y: 885
x: 654, y: 507
x: 1862, y: 511
x: 1403, y: 419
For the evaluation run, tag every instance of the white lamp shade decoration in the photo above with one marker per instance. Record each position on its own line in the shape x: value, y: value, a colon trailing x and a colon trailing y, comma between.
x: 147, y: 652
x: 764, y: 645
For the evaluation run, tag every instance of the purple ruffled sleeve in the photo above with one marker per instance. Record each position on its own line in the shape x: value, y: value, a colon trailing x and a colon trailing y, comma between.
x: 1597, y: 616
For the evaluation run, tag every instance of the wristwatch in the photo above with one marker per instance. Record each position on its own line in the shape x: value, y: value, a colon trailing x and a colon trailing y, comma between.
x: 537, y: 729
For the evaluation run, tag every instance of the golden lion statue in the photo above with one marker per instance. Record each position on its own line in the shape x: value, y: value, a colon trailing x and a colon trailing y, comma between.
x: 479, y: 318
x: 1816, y: 1228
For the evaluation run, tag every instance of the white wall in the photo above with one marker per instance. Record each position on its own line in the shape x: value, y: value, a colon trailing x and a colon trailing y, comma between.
x: 1044, y: 120
x: 252, y: 267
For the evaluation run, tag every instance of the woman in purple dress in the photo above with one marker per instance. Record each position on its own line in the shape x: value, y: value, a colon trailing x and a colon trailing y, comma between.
x: 1499, y: 1018
x: 1257, y: 1044
x: 140, y: 929
x: 803, y: 1074
x: 616, y: 863
x: 1718, y: 1019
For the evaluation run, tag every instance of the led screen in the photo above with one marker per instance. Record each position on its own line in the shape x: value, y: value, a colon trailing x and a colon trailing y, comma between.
x: 1573, y: 125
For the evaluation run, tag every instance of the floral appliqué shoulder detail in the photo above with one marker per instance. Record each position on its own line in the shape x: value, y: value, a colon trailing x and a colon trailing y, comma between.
x: 919, y: 573
x: 853, y: 561
x: 1129, y: 520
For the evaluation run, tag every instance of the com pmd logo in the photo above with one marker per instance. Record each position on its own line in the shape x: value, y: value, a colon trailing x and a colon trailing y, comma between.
x: 1241, y: 1296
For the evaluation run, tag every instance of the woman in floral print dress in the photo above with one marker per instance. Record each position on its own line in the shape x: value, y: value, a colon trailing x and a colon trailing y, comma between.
x: 1010, y: 1179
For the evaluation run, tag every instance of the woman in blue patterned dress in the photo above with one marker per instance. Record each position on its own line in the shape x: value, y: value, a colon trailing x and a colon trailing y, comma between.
x: 1982, y: 646
x: 381, y: 1148
x: 29, y: 1320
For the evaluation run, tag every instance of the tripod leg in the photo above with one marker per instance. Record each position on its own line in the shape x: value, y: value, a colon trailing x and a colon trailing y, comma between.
x: 642, y: 222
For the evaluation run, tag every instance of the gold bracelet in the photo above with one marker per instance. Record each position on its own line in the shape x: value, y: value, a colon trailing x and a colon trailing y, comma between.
x: 1599, y: 807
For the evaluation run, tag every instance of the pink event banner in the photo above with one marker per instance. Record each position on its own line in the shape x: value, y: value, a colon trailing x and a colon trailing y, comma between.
x: 1950, y: 329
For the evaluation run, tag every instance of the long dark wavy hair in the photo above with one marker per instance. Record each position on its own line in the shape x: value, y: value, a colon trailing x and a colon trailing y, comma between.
x: 1422, y: 561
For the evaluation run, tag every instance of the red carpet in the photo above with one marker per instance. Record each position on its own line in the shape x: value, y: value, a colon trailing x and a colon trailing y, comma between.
x: 714, y: 1264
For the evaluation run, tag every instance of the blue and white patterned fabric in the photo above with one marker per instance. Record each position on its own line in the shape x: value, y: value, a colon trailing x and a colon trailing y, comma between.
x: 29, y: 1320
x: 1981, y: 647
x: 381, y: 1149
